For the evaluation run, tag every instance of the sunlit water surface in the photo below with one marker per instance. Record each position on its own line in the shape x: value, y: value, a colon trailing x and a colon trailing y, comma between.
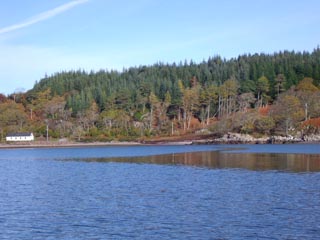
x: 187, y: 192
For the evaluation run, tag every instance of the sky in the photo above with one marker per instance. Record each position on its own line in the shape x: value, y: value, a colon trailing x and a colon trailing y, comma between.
x: 43, y: 37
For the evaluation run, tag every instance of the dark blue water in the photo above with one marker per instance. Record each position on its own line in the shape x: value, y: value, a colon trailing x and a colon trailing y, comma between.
x: 99, y: 152
x: 143, y: 150
x: 42, y: 198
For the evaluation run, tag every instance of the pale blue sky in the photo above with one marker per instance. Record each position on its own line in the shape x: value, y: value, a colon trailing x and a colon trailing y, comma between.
x: 39, y: 37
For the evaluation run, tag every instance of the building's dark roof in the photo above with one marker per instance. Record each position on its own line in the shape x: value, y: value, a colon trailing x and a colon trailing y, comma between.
x: 19, y: 134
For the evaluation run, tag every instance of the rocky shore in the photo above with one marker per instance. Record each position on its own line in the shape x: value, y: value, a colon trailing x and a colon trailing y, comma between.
x: 237, y: 138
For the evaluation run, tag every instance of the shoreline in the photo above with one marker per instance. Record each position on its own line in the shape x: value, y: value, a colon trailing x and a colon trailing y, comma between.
x: 230, y: 140
x: 87, y: 144
x: 63, y: 145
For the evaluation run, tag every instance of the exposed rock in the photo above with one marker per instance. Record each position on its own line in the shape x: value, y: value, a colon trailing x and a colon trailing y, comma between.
x: 234, y: 138
x: 237, y: 138
x: 242, y: 138
x: 287, y: 139
x: 312, y: 138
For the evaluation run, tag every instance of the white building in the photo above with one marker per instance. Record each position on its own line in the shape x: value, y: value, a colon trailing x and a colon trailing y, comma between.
x: 19, y: 137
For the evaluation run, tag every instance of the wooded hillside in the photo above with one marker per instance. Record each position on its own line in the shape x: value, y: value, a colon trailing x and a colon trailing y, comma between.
x: 258, y: 94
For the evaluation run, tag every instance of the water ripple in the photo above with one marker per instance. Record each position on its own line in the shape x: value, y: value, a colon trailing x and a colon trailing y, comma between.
x: 117, y: 200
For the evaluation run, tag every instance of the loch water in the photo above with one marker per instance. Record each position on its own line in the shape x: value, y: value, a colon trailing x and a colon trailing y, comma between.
x: 161, y: 192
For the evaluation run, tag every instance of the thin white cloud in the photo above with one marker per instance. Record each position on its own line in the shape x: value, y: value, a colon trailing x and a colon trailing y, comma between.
x: 42, y: 16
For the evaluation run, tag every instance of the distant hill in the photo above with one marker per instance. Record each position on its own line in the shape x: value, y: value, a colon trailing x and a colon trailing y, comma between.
x: 174, y: 99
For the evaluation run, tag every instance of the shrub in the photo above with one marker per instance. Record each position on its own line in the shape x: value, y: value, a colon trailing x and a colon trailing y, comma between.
x: 264, y: 125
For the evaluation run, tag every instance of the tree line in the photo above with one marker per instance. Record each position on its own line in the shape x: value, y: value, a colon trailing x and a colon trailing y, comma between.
x: 260, y: 94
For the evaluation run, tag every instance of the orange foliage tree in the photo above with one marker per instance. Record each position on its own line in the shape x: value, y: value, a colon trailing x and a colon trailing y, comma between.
x: 311, y: 126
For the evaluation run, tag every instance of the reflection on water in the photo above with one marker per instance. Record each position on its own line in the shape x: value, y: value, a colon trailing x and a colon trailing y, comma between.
x: 43, y: 198
x: 219, y: 160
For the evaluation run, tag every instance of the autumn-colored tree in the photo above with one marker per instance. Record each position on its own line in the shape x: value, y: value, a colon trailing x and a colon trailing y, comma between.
x: 190, y: 100
x: 12, y: 116
x: 307, y: 85
x: 311, y: 126
x: 309, y: 95
x: 122, y: 120
x: 264, y: 124
x: 228, y: 92
x: 92, y: 114
x: 38, y: 102
x: 78, y: 132
x: 107, y: 118
x: 287, y: 112
x: 207, y: 98
x: 89, y: 117
x: 244, y: 122
x: 245, y: 100
x: 54, y: 107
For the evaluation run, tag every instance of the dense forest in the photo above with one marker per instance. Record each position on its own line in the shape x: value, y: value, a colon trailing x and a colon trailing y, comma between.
x: 260, y: 94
